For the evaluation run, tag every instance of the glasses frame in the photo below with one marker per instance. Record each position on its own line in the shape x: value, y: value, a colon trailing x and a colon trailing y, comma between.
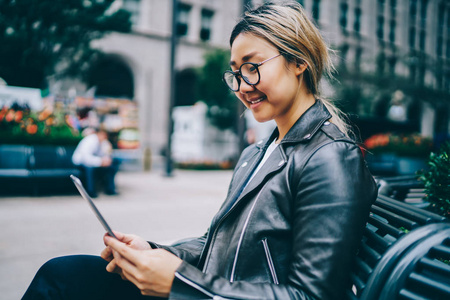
x: 238, y: 74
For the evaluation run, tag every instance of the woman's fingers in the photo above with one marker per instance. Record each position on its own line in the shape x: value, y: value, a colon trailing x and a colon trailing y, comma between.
x: 112, y: 267
x: 127, y: 252
x: 126, y: 265
x: 107, y: 254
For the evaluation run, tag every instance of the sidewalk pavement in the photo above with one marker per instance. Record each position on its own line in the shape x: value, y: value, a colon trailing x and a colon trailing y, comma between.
x: 158, y: 208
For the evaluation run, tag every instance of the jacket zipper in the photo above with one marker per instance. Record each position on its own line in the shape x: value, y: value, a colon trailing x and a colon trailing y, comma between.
x: 242, y: 236
x: 215, y: 231
x: 270, y: 261
x: 198, y: 287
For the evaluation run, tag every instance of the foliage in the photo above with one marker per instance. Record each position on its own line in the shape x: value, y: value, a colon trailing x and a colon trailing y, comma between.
x: 221, y: 103
x: 413, y: 145
x: 20, y: 125
x: 437, y: 180
x: 46, y: 37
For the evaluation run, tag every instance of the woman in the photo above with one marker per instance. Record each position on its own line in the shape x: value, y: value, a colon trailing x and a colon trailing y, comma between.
x: 297, y: 202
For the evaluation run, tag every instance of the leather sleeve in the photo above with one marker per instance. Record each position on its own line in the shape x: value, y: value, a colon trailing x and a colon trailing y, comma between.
x: 188, y: 250
x: 331, y: 192
x: 333, y: 198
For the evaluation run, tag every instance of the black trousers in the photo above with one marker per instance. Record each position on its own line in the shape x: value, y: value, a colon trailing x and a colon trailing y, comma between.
x: 80, y: 277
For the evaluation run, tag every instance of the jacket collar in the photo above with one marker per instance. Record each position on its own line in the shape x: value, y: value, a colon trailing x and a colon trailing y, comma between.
x: 305, y: 127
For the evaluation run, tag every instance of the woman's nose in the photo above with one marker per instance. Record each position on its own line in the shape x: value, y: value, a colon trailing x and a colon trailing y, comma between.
x: 245, y: 87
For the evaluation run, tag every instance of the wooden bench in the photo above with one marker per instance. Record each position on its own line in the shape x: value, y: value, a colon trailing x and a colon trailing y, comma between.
x: 402, y: 254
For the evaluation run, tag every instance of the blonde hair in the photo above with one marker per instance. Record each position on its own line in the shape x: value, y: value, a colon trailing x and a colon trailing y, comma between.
x: 298, y: 40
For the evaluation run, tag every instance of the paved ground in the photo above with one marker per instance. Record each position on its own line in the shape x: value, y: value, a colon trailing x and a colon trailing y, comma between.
x: 161, y: 209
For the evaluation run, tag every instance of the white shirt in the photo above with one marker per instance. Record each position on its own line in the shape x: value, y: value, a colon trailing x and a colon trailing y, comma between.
x: 89, y: 151
x: 269, y: 151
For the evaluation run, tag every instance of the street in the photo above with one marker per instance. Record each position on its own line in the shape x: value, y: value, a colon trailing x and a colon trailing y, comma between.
x: 158, y: 208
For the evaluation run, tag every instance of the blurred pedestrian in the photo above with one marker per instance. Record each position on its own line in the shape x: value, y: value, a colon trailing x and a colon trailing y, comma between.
x: 296, y: 207
x: 94, y: 156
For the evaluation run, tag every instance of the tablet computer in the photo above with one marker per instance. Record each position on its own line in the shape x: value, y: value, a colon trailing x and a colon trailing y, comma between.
x: 86, y: 196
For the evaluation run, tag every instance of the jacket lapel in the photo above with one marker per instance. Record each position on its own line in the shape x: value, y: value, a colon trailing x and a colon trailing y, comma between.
x: 275, y: 162
x: 302, y: 131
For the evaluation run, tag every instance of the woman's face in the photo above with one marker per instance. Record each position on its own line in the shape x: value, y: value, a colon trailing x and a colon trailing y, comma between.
x: 277, y: 93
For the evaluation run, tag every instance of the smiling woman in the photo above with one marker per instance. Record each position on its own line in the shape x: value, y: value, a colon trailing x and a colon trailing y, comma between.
x: 296, y: 206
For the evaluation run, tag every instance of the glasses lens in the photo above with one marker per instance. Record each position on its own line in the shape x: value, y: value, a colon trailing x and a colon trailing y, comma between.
x: 231, y: 80
x: 250, y: 73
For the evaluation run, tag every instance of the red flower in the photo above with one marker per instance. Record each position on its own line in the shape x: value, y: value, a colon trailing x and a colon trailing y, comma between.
x: 32, y: 128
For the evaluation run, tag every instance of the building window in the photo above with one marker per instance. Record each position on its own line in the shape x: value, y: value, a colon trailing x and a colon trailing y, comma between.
x: 392, y: 22
x: 357, y: 23
x: 184, y: 11
x: 316, y: 10
x: 393, y: 25
x: 440, y: 30
x: 343, y: 16
x: 423, y: 24
x: 358, y: 55
x: 392, y: 61
x: 380, y: 20
x: 380, y: 27
x: 412, y: 23
x: 205, y: 31
x: 448, y: 33
x: 381, y: 62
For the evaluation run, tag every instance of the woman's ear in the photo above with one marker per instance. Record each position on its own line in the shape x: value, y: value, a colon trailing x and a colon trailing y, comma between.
x: 300, y: 68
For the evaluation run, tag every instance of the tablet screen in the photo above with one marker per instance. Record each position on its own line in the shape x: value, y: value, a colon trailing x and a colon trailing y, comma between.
x: 86, y: 196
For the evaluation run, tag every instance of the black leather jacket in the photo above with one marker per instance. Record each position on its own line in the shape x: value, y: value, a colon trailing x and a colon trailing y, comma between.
x: 293, y: 231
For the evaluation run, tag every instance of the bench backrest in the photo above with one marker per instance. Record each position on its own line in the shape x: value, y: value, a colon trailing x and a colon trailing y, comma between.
x: 15, y: 156
x: 424, y: 271
x: 52, y: 157
x: 386, y: 239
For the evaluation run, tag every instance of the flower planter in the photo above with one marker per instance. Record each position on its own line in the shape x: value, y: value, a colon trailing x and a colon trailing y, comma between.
x: 410, y: 165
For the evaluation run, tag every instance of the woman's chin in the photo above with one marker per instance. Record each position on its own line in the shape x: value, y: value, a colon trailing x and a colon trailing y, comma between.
x: 261, y: 118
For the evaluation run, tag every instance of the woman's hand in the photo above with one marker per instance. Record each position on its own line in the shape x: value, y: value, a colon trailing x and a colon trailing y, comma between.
x: 131, y: 240
x: 152, y: 271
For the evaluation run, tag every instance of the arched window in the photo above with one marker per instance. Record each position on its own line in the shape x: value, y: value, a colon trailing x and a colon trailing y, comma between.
x: 112, y: 77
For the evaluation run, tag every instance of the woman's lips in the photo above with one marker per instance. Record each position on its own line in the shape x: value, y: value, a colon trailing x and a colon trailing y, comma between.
x: 256, y: 100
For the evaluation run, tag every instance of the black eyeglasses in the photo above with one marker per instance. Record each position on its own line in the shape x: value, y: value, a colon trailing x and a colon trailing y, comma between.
x: 248, y: 71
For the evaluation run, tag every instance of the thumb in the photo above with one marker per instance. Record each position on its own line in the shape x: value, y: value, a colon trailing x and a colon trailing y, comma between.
x: 124, y: 238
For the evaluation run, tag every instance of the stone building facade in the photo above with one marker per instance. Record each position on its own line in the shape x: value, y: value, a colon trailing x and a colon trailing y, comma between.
x: 202, y: 25
x: 410, y: 38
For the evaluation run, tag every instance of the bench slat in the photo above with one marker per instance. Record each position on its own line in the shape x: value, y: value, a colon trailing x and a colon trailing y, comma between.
x: 394, y: 218
x: 408, y: 295
x: 432, y: 266
x: 364, y: 269
x: 410, y: 211
x: 386, y: 227
x: 370, y: 255
x: 430, y: 285
x: 377, y: 241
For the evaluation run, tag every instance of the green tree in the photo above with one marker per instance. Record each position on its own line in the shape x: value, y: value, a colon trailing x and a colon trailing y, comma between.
x: 40, y: 38
x: 221, y: 102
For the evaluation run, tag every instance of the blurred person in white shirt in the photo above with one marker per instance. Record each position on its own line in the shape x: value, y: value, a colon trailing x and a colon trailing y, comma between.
x: 93, y: 156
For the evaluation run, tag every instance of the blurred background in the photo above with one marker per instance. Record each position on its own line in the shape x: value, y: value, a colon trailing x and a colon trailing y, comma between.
x: 149, y: 72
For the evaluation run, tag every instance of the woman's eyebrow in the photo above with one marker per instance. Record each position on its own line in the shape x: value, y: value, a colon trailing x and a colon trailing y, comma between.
x: 246, y: 58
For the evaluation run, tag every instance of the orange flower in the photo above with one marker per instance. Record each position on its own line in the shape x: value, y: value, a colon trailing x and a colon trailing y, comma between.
x: 44, y: 114
x: 10, y: 116
x: 49, y: 121
x: 19, y: 116
x: 32, y: 128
